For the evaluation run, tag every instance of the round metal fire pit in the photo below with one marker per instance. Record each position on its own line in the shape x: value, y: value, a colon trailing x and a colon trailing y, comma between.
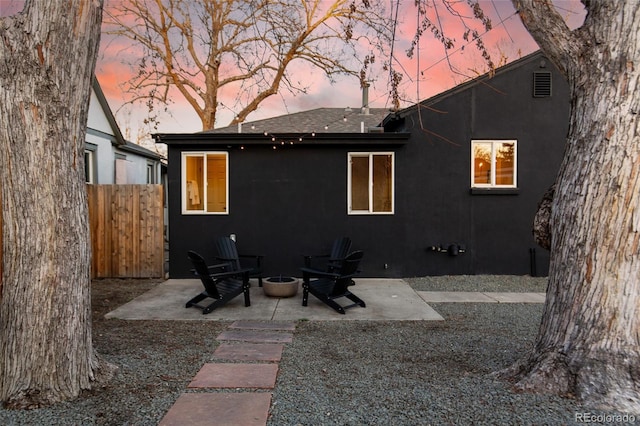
x: 280, y: 286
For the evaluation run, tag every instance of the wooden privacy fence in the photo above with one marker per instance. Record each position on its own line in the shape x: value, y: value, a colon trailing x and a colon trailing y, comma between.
x: 127, y: 231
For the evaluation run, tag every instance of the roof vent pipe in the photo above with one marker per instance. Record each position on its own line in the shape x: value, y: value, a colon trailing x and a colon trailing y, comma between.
x: 365, y: 98
x: 239, y: 127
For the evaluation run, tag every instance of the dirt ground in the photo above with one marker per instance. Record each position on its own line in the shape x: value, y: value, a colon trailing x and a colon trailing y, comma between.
x: 156, y: 360
x: 108, y: 294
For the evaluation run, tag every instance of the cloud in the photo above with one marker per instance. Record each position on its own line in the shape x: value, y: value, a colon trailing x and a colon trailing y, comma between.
x: 430, y: 71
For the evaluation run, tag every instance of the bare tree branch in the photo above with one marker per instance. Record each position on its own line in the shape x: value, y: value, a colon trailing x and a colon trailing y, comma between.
x: 550, y: 31
x: 203, y: 47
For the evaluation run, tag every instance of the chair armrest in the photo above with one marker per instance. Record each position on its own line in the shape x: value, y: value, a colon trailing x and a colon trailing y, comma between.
x: 230, y: 273
x: 219, y: 266
x: 210, y: 267
x: 316, y: 273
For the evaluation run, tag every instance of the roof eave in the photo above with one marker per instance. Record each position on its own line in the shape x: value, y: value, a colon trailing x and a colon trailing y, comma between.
x: 305, y: 139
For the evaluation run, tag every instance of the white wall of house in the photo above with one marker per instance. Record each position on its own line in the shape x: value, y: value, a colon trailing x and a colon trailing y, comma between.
x: 135, y: 169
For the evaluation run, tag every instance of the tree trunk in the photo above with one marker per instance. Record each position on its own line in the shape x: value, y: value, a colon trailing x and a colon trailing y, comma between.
x: 589, y: 339
x: 47, y: 57
x: 542, y: 219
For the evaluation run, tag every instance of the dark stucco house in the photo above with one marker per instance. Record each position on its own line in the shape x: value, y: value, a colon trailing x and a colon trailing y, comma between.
x: 448, y: 186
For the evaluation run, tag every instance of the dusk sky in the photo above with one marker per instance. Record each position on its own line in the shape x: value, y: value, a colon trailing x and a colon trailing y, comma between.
x: 427, y: 74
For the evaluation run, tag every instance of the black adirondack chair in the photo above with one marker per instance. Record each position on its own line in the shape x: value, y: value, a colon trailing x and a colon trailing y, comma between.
x: 219, y: 286
x: 228, y: 253
x: 328, y: 286
x: 339, y: 250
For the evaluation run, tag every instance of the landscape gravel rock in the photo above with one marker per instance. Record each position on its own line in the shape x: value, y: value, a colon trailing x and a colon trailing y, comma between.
x: 334, y: 372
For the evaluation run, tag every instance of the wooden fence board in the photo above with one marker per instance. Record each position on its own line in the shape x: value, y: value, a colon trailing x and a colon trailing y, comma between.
x: 127, y: 225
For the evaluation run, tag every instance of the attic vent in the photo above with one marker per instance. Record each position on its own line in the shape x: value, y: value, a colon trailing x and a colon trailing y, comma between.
x: 541, y: 84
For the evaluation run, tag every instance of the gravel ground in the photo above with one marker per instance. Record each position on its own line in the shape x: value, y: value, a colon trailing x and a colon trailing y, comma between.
x: 334, y: 372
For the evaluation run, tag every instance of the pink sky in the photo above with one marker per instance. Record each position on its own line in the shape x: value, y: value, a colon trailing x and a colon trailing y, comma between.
x: 427, y: 73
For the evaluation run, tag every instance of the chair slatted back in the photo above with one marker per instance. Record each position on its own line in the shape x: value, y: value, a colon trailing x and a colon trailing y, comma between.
x: 348, y: 267
x: 228, y: 252
x: 340, y: 248
x: 203, y: 273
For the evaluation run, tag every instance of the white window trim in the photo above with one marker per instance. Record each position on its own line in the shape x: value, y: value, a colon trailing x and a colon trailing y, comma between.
x: 350, y: 211
x: 90, y: 165
x: 151, y: 172
x: 183, y: 182
x: 493, y: 143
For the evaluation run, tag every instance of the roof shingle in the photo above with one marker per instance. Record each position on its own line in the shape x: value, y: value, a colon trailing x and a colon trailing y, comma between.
x: 319, y: 120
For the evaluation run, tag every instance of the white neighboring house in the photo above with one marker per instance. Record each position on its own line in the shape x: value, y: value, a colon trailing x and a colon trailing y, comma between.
x: 109, y: 158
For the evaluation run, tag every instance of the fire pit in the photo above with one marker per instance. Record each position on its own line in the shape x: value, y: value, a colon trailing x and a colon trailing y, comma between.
x: 280, y: 286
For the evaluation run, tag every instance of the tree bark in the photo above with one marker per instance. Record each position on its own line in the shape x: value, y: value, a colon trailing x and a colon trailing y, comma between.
x: 541, y: 221
x: 47, y: 57
x: 589, y: 339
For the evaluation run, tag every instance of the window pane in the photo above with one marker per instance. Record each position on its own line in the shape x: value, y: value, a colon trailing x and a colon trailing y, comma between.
x: 360, y: 183
x: 505, y: 153
x: 150, y: 174
x: 481, y: 163
x: 195, y: 183
x: 88, y: 166
x: 216, y: 183
x: 382, y: 183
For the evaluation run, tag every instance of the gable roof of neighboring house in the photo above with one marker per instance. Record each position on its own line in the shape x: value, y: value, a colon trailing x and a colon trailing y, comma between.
x: 538, y: 55
x: 140, y: 150
x: 120, y: 141
x: 319, y: 120
x: 102, y: 100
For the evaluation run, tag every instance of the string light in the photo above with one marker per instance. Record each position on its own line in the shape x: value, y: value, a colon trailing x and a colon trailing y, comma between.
x: 282, y: 142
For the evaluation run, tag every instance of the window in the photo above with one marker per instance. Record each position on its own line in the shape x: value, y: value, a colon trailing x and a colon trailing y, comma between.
x: 494, y: 164
x: 120, y: 169
x: 90, y: 163
x: 205, y: 183
x: 370, y: 183
x: 151, y: 172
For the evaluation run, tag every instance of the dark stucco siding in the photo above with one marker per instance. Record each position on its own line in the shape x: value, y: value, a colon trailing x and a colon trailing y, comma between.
x: 292, y: 201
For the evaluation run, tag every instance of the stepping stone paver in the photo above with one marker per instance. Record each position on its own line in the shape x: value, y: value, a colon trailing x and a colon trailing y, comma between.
x: 219, y: 409
x: 249, y: 351
x: 518, y: 297
x: 454, y: 297
x: 478, y: 297
x: 256, y: 336
x: 264, y: 325
x: 235, y: 375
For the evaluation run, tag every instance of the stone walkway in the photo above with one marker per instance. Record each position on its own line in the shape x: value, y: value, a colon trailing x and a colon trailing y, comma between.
x: 236, y: 390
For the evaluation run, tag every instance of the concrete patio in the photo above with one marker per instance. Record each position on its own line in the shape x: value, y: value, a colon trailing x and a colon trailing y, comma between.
x: 386, y: 299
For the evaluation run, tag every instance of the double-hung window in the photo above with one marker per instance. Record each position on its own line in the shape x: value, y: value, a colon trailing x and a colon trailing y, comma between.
x: 370, y: 183
x: 205, y: 183
x: 494, y: 164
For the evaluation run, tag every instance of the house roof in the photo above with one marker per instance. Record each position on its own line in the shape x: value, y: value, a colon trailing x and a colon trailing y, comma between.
x: 102, y: 100
x: 120, y: 141
x: 140, y: 150
x: 535, y: 56
x: 319, y: 120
